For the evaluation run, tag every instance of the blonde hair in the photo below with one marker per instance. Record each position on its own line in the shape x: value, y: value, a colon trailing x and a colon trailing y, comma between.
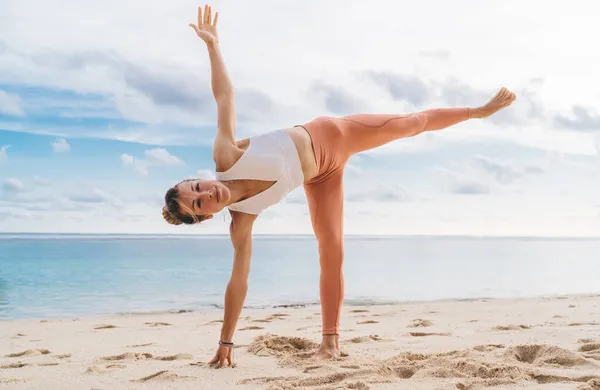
x: 170, y: 218
x: 171, y: 211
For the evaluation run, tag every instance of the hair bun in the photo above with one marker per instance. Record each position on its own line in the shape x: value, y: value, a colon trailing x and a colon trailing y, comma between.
x: 169, y: 217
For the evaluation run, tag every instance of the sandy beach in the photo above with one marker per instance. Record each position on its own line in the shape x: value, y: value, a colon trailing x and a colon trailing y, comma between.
x: 541, y: 343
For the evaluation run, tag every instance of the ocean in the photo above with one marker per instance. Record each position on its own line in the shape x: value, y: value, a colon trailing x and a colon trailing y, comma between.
x: 50, y: 276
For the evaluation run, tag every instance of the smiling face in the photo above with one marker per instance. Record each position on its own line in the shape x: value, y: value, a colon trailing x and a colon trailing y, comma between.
x: 202, y: 197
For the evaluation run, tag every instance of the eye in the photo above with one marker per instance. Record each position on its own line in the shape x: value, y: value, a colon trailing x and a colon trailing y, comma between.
x: 197, y: 187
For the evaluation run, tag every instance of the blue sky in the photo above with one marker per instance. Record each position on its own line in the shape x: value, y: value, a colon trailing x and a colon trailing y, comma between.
x: 105, y: 107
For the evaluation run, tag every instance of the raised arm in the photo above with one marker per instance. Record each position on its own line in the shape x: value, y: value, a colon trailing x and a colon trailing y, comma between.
x: 235, y: 294
x: 221, y: 84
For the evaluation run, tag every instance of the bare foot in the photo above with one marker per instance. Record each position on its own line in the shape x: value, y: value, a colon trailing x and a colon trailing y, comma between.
x: 326, y: 353
x: 329, y: 348
x: 502, y: 99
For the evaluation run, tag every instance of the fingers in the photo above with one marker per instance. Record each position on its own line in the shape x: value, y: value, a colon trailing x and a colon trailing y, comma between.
x: 229, y: 360
x: 194, y: 27
x: 214, y: 360
x: 206, y: 16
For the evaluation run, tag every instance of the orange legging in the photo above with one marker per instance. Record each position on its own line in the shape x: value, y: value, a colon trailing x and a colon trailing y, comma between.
x: 335, y: 140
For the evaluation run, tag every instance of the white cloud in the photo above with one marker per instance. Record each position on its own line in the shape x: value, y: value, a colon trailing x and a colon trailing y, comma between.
x: 10, y: 104
x: 139, y: 166
x: 205, y: 174
x: 13, y: 185
x: 60, y: 146
x: 154, y: 157
x: 94, y: 196
x: 160, y: 156
x: 4, y: 152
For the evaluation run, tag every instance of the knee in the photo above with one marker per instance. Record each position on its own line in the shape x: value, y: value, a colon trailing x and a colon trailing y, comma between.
x: 331, y: 252
x: 421, y: 121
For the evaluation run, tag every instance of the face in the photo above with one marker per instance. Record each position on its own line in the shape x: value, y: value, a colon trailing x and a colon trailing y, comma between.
x: 203, y: 197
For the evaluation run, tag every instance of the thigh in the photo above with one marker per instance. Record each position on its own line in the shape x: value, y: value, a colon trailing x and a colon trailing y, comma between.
x: 362, y: 132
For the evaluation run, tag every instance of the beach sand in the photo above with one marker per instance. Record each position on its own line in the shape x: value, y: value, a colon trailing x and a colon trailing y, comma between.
x: 541, y: 343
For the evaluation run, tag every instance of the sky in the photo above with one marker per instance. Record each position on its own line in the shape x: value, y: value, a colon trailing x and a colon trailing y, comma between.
x: 105, y: 105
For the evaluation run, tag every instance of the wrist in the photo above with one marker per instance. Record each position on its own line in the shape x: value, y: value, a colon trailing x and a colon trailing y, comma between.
x: 226, y: 337
x: 212, y: 43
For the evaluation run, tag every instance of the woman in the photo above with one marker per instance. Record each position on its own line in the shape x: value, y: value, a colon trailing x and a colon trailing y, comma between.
x: 253, y: 174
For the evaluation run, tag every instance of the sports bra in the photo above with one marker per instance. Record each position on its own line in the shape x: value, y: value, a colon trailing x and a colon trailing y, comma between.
x: 271, y: 157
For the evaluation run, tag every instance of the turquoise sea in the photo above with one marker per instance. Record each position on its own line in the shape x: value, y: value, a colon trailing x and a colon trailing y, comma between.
x: 46, y: 275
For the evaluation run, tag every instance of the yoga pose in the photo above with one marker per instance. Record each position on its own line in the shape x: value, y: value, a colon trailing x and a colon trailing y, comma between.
x: 253, y: 174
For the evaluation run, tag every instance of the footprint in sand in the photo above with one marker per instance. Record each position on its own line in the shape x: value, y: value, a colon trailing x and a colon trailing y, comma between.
x: 29, y: 352
x: 215, y: 322
x: 359, y: 311
x: 252, y: 328
x: 366, y: 339
x: 511, y: 327
x: 541, y: 354
x: 419, y: 323
x: 425, y: 334
x: 13, y: 380
x: 336, y: 380
x: 147, y: 356
x: 367, y: 322
x: 14, y: 365
x: 129, y: 356
x: 488, y: 347
x: 162, y: 376
x: 272, y: 317
x: 158, y: 323
x: 590, y: 347
x: 108, y: 326
x: 139, y: 345
x: 584, y: 324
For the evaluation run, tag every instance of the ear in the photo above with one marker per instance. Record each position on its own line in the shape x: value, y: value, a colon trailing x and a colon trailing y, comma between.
x: 206, y: 218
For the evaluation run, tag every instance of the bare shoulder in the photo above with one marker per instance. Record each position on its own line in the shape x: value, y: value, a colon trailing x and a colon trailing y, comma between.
x: 226, y: 155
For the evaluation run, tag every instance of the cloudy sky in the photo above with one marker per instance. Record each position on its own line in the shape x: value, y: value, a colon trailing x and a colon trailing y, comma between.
x: 105, y: 104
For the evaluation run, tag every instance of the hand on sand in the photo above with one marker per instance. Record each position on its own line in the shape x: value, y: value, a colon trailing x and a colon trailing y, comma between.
x: 223, y: 355
x: 502, y: 99
x: 207, y: 26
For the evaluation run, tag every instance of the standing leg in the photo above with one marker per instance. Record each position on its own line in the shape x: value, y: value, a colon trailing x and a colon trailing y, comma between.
x: 326, y: 205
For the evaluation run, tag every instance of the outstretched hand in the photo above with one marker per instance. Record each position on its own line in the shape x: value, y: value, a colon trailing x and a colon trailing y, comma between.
x: 207, y: 26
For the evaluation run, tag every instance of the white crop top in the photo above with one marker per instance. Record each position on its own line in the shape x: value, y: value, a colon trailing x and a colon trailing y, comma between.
x: 270, y: 157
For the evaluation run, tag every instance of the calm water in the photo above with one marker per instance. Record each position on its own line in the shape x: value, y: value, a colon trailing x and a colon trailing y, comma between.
x: 52, y: 276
